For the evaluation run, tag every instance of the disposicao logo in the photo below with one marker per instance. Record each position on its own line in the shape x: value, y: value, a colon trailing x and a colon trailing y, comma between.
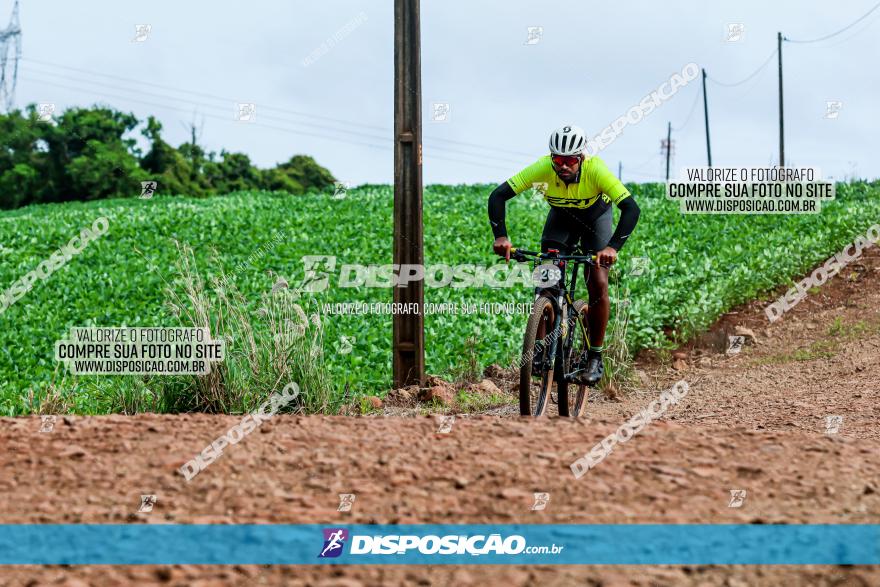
x: 334, y: 540
x: 432, y: 544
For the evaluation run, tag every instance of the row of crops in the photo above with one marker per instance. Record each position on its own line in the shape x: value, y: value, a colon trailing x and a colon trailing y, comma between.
x: 699, y: 266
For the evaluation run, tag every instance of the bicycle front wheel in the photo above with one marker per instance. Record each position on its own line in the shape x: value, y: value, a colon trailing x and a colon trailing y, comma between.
x: 536, y: 363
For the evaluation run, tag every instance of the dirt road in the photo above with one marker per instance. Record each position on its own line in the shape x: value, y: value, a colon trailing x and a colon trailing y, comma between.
x: 763, y: 421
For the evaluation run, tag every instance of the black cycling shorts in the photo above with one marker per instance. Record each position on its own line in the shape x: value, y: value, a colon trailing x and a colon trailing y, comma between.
x: 565, y: 227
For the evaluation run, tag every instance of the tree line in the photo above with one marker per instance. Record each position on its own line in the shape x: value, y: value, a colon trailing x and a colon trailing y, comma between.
x: 92, y: 153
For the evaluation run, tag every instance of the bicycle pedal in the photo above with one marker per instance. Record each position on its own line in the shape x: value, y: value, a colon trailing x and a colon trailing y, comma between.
x: 577, y: 377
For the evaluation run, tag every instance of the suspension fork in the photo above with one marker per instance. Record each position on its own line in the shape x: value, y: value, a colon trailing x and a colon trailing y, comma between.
x: 555, y: 347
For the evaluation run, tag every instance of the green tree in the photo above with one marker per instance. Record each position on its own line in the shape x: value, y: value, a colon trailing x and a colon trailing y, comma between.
x: 103, y: 171
x: 90, y: 153
x: 278, y: 180
x: 173, y: 168
x: 19, y: 185
x: 301, y: 170
x: 90, y: 157
x: 232, y: 173
x: 23, y: 159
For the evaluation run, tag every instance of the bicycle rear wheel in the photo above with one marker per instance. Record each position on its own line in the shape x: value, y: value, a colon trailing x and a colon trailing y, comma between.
x: 536, y: 364
x: 572, y: 399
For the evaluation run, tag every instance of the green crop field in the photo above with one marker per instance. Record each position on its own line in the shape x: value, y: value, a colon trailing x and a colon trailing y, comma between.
x: 700, y: 266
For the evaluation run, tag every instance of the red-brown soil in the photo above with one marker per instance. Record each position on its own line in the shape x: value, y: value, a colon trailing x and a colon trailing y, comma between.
x: 754, y: 421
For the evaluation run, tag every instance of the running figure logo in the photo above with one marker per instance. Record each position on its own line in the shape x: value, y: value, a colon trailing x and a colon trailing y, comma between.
x: 346, y: 500
x: 832, y: 424
x: 148, y: 188
x: 639, y: 265
x: 45, y: 111
x: 535, y: 34
x: 446, y: 423
x: 737, y: 498
x: 541, y: 500
x: 147, y: 503
x: 334, y: 540
x: 735, y: 344
x: 47, y: 423
x: 317, y: 270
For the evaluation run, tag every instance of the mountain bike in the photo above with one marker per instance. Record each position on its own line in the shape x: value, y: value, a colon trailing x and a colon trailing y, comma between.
x: 557, y: 336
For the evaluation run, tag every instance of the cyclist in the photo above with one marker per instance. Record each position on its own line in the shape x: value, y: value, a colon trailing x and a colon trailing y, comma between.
x: 580, y: 190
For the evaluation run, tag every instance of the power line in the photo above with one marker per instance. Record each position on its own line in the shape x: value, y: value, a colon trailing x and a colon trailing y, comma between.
x: 644, y: 163
x: 174, y: 108
x: 227, y: 100
x: 201, y: 94
x: 655, y: 176
x: 691, y: 113
x: 383, y: 139
x: 200, y: 104
x: 847, y: 27
x: 750, y: 76
x: 297, y: 132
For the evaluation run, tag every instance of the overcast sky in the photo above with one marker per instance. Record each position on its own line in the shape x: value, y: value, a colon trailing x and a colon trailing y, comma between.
x: 593, y: 62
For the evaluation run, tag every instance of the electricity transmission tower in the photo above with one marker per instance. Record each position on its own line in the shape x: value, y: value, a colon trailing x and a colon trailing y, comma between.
x: 10, y: 39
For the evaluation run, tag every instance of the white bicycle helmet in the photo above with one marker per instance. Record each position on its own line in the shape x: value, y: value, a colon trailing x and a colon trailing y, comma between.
x: 568, y: 140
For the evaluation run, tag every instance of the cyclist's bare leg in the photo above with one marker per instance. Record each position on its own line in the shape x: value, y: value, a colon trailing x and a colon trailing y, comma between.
x: 600, y: 304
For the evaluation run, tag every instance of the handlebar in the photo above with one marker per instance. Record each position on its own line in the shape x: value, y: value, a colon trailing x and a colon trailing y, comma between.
x: 521, y: 254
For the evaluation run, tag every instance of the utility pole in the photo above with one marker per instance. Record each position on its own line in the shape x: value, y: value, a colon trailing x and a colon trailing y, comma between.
x: 620, y: 170
x: 408, y: 329
x: 194, y: 151
x: 781, y: 133
x: 668, y: 146
x: 706, y: 118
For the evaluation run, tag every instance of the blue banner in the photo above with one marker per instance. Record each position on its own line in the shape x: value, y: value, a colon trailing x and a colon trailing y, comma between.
x: 529, y: 544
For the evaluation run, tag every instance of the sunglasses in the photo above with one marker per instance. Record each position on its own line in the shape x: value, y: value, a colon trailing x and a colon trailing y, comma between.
x: 565, y: 160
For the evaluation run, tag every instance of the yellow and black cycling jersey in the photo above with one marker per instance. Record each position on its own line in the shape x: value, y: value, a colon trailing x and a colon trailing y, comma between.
x: 595, y: 184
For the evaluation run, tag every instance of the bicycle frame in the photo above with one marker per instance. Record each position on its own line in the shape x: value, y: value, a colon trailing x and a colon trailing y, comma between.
x: 561, y: 298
